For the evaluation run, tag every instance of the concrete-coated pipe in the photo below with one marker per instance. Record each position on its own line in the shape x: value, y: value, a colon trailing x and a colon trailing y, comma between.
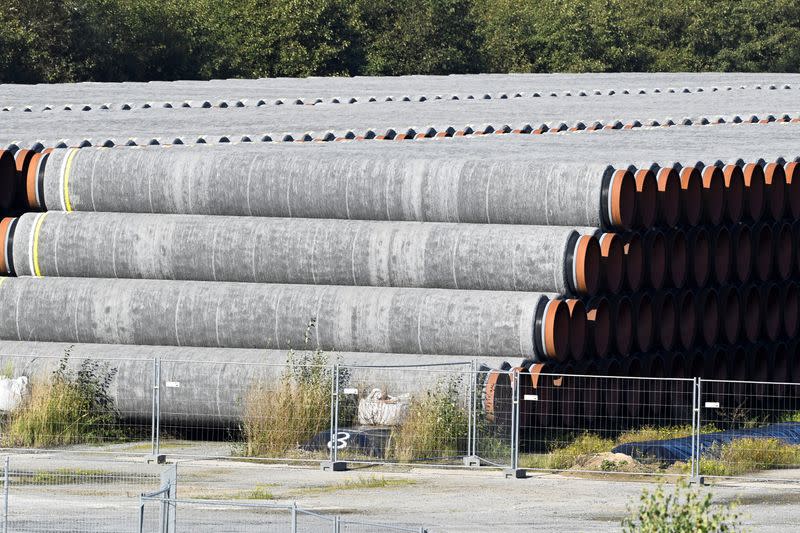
x: 792, y: 172
x: 666, y: 317
x: 309, y: 251
x: 771, y: 318
x: 691, y: 195
x: 708, y: 316
x: 331, y: 183
x: 790, y: 304
x: 654, y: 246
x: 730, y: 314
x: 774, y: 190
x: 783, y: 250
x: 720, y: 255
x: 750, y: 301
x: 687, y: 318
x: 762, y: 251
x: 734, y: 193
x: 742, y: 252
x: 634, y: 263
x: 699, y: 255
x: 612, y: 251
x: 754, y: 196
x: 669, y: 195
x: 646, y: 198
x: 677, y: 258
x: 249, y: 315
x: 8, y: 179
x: 213, y: 382
x: 644, y: 323
x: 598, y: 318
x: 713, y: 194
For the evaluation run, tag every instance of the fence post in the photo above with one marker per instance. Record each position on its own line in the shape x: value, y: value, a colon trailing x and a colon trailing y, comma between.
x: 336, y: 524
x: 333, y: 464
x: 155, y: 417
x: 472, y: 459
x: 294, y: 517
x: 514, y: 470
x: 6, y: 483
x: 696, y: 477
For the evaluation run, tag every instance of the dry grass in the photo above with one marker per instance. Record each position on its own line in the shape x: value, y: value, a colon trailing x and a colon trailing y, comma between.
x: 749, y: 455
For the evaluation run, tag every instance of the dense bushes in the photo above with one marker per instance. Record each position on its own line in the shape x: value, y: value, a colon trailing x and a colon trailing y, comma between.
x: 72, y: 40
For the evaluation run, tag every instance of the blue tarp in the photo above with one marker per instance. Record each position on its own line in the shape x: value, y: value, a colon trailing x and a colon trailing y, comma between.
x: 672, y: 450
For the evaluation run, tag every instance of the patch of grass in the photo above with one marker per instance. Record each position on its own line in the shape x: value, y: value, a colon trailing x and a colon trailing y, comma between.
x: 749, y: 455
x: 74, y: 407
x: 361, y: 482
x: 436, y: 425
x: 790, y: 417
x: 260, y: 492
x: 565, y: 457
x: 68, y: 476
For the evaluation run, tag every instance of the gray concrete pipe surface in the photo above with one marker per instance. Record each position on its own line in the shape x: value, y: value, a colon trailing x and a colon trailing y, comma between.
x: 249, y: 315
x: 309, y: 251
x: 208, y: 385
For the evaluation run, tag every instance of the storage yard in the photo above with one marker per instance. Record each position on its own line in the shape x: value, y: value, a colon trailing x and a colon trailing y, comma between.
x: 567, y: 256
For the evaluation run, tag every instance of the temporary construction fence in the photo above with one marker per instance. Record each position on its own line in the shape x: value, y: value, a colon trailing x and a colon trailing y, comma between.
x: 518, y: 419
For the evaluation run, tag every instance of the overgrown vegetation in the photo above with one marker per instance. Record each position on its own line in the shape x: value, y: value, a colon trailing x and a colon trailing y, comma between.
x: 121, y: 40
x: 436, y: 425
x: 73, y: 407
x: 742, y: 456
x: 682, y: 511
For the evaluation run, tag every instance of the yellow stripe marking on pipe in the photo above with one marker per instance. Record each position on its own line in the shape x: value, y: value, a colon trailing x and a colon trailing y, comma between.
x: 67, y: 169
x: 36, y: 270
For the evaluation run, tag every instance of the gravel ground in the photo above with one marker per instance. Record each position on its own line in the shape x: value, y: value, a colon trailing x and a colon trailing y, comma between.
x: 442, y: 500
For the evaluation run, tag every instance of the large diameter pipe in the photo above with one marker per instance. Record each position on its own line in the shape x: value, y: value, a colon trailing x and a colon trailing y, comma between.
x: 8, y: 179
x: 255, y: 315
x: 331, y: 184
x: 213, y: 383
x: 308, y: 251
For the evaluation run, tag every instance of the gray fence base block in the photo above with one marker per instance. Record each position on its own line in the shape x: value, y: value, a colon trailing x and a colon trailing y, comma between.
x: 333, y: 466
x: 158, y: 459
x: 516, y: 473
x: 472, y: 460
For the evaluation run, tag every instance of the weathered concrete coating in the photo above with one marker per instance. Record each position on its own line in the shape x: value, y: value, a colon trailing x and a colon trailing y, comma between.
x: 311, y: 251
x: 325, y: 184
x: 213, y: 382
x: 362, y: 87
x: 189, y: 124
x: 247, y: 315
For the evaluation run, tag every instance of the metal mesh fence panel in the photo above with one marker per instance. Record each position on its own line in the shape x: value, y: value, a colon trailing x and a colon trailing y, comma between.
x: 574, y: 422
x: 749, y: 429
x: 356, y: 526
x: 492, y: 398
x: 403, y: 414
x: 225, y: 516
x: 68, y: 401
x: 311, y: 522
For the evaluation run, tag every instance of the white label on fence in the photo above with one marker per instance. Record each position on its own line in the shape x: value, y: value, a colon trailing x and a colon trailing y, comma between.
x: 712, y: 405
x: 173, y: 384
x: 531, y: 397
x: 351, y: 391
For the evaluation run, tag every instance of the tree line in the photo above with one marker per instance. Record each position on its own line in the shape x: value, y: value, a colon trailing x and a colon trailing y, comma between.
x: 138, y: 40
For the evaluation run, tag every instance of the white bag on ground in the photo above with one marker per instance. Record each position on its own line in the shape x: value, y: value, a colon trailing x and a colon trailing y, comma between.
x: 12, y: 392
x: 379, y: 409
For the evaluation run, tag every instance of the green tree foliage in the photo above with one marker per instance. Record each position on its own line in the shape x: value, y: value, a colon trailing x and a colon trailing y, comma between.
x: 103, y: 40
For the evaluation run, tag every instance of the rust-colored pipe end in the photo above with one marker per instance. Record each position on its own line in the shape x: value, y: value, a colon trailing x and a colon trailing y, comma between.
x: 754, y: 191
x: 577, y: 328
x: 34, y: 186
x: 713, y: 194
x: 22, y: 160
x: 742, y: 250
x: 707, y: 308
x: 669, y: 196
x: 751, y: 313
x: 644, y: 322
x: 687, y: 319
x: 666, y: 316
x: 678, y: 258
x: 612, y: 250
x: 587, y: 265
x: 784, y: 250
x: 555, y: 330
x: 646, y: 198
x: 622, y: 198
x: 734, y: 193
x: 771, y: 311
x: 598, y: 317
x: 762, y: 251
x: 730, y: 313
x: 721, y: 248
x: 8, y: 179
x: 792, y: 173
x: 622, y: 311
x: 699, y: 253
x: 655, y: 258
x: 691, y: 195
x: 7, y: 226
x: 775, y: 190
x: 634, y: 263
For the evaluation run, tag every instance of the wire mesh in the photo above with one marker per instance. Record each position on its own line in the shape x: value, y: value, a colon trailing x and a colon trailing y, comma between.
x: 747, y: 429
x: 574, y: 422
x: 356, y: 526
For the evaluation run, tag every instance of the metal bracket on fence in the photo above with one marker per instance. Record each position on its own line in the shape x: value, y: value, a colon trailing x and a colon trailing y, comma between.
x: 333, y: 464
x: 697, y: 401
x: 514, y: 470
x: 471, y: 458
x: 155, y: 417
